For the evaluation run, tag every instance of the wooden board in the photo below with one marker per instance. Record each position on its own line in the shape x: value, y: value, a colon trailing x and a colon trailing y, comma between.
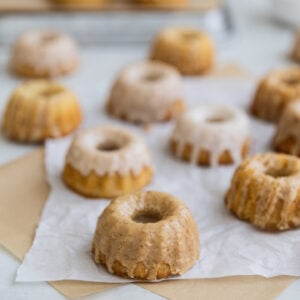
x: 18, y: 6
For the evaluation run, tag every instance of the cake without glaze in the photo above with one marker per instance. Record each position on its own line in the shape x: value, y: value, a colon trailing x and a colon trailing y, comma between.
x: 189, y: 50
x: 107, y: 161
x: 44, y: 53
x: 147, y: 92
x: 40, y: 109
x: 275, y: 92
x: 265, y: 190
x: 146, y: 235
x: 210, y: 135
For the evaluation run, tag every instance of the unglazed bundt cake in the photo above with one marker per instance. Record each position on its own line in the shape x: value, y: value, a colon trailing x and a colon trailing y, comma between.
x: 287, y: 137
x: 146, y: 92
x: 107, y: 161
x: 44, y: 53
x: 189, y: 50
x: 265, y: 190
x: 211, y: 135
x: 275, y: 92
x: 40, y: 109
x: 146, y: 235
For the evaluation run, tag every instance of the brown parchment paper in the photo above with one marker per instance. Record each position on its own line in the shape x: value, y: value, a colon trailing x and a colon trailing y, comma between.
x: 23, y: 192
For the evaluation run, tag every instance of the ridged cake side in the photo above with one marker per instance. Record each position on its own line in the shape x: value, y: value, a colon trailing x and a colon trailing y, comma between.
x: 265, y: 190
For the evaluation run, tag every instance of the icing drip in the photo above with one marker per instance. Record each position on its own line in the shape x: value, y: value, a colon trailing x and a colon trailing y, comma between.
x: 108, y: 150
x: 144, y: 92
x: 273, y: 180
x: 214, y: 129
x: 44, y: 50
x: 289, y: 127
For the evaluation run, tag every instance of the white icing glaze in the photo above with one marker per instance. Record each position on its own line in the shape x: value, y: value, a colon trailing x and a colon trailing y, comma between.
x: 143, y: 92
x: 195, y: 128
x: 289, y: 126
x: 272, y: 189
x: 44, y: 50
x: 85, y: 156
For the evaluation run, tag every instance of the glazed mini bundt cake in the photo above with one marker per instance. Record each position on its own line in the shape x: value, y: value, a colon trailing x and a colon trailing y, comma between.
x: 107, y: 161
x: 146, y: 235
x: 189, y: 50
x: 211, y: 135
x: 275, y: 92
x: 44, y: 53
x: 265, y: 190
x: 287, y: 137
x: 40, y: 109
x: 296, y: 49
x: 147, y: 92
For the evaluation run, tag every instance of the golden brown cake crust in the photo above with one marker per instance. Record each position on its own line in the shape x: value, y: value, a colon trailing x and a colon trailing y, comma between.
x: 30, y: 72
x: 274, y: 93
x: 190, y: 51
x: 265, y: 191
x: 146, y: 235
x: 107, y: 186
x: 40, y: 109
x: 204, y: 159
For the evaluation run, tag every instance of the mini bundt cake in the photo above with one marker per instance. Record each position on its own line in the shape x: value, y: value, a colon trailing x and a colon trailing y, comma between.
x: 265, y: 190
x: 40, y: 109
x: 189, y: 50
x: 44, y: 53
x: 107, y: 161
x: 287, y: 137
x: 296, y: 49
x: 211, y: 135
x: 147, y: 92
x: 275, y: 92
x: 146, y: 235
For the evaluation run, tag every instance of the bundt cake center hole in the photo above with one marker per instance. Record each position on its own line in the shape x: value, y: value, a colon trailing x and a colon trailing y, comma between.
x: 152, y: 76
x: 109, y: 146
x: 48, y: 92
x: 189, y: 36
x: 283, y: 172
x: 217, y: 119
x: 48, y: 38
x: 147, y: 217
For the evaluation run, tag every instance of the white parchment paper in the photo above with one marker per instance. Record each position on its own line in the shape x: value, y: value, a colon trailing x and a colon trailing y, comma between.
x: 62, y: 245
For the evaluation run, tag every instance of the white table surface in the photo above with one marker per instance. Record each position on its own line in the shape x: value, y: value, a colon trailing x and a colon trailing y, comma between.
x: 257, y: 45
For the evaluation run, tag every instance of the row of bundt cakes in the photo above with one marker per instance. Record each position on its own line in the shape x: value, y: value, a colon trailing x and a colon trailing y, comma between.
x: 152, y: 92
x: 46, y: 53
